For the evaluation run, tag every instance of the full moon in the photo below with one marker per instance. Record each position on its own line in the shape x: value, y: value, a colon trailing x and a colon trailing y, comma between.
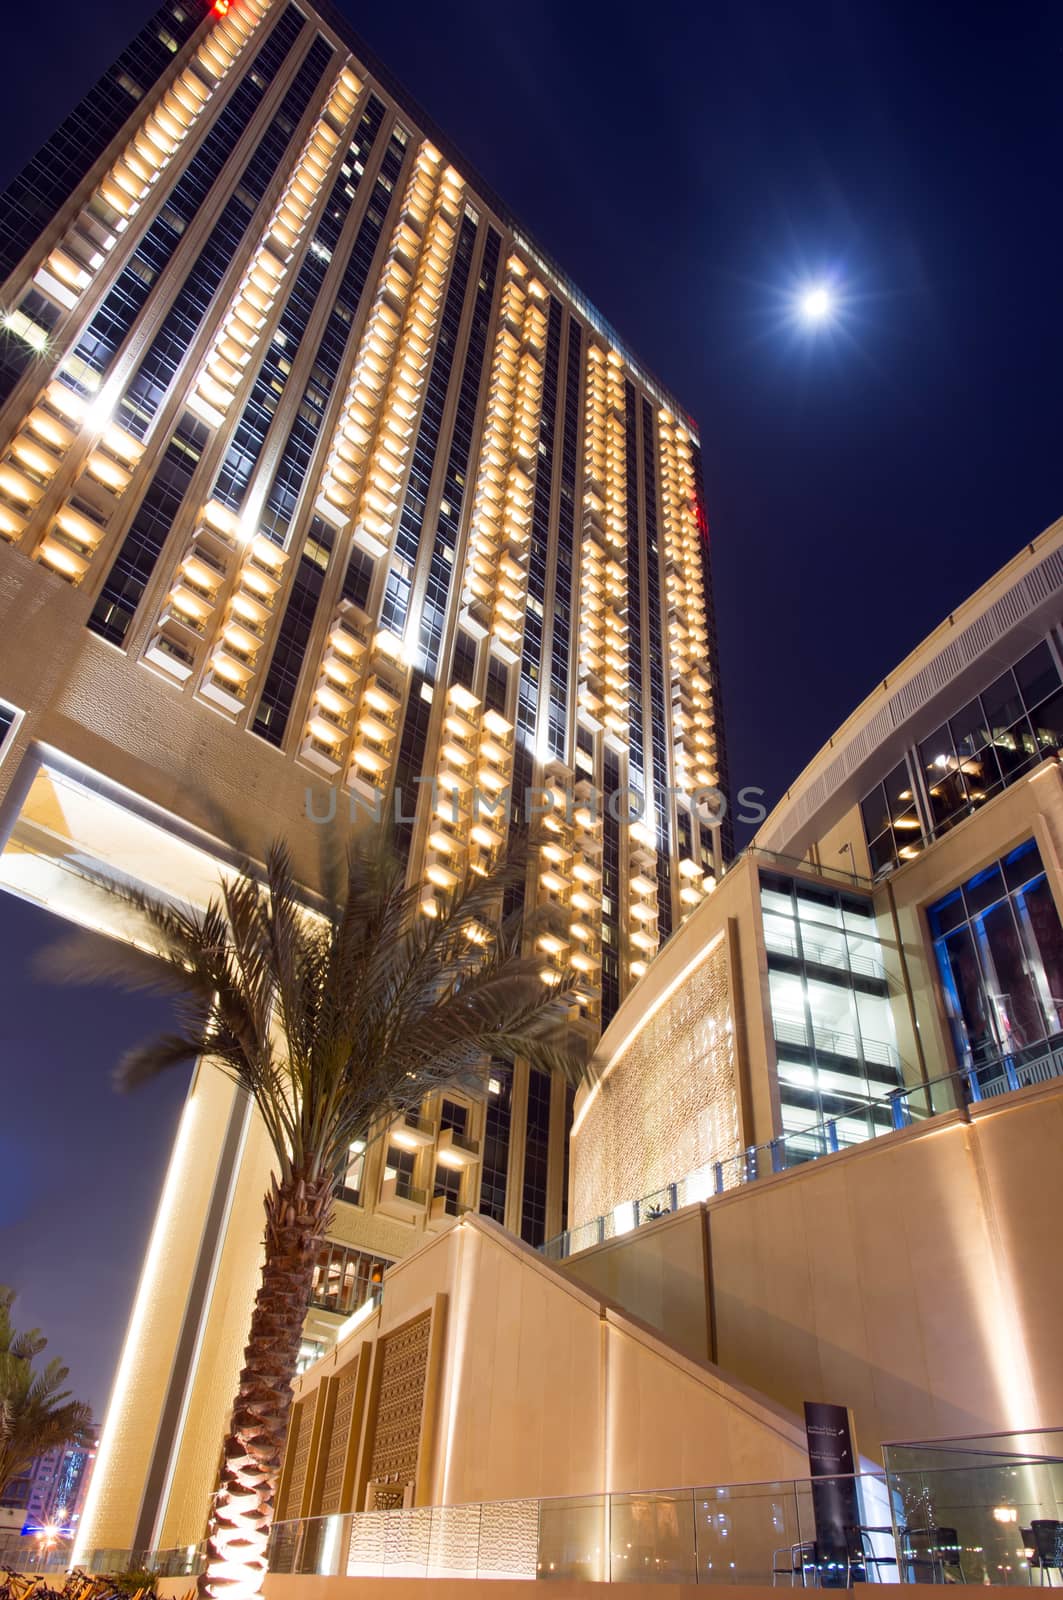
x: 816, y: 303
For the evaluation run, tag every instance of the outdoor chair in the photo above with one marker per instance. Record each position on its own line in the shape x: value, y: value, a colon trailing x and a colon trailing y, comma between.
x: 863, y: 1556
x: 1046, y: 1538
x: 823, y: 1566
x: 936, y: 1548
x: 799, y: 1561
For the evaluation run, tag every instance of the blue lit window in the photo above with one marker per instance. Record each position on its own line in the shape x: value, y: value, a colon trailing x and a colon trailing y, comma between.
x: 999, y: 948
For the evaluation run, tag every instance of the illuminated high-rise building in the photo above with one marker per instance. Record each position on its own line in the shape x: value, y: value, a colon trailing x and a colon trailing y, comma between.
x: 320, y: 483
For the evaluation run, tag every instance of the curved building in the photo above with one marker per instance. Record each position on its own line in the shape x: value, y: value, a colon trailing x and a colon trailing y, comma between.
x: 843, y: 1070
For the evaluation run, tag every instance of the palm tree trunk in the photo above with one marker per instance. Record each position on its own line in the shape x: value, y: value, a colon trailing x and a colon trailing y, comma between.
x: 297, y: 1216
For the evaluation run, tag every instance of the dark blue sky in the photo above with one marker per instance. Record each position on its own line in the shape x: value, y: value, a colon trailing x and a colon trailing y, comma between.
x: 687, y: 164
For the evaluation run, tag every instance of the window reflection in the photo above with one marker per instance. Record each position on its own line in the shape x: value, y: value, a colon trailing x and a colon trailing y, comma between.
x: 999, y: 947
x: 344, y: 1279
x: 350, y: 1181
x: 891, y: 820
x: 998, y: 736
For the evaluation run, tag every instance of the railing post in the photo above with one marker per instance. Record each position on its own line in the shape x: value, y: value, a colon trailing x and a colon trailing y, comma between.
x: 717, y: 1177
x: 673, y: 1196
x: 831, y: 1130
x: 694, y: 1531
x: 1010, y: 1073
x: 778, y: 1155
x: 900, y: 1115
x: 601, y: 1230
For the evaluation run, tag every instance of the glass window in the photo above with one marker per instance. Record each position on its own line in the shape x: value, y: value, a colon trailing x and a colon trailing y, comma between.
x: 399, y: 1164
x: 996, y: 738
x: 494, y: 1172
x: 1002, y: 702
x: 447, y: 1185
x: 830, y: 1009
x: 344, y: 1279
x: 350, y: 1187
x: 891, y: 820
x: 970, y: 731
x: 999, y: 948
x: 454, y: 1116
x: 1044, y: 944
x: 1036, y: 675
x: 1047, y: 724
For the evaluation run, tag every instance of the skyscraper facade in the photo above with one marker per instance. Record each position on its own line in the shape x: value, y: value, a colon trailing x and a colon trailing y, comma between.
x: 322, y: 490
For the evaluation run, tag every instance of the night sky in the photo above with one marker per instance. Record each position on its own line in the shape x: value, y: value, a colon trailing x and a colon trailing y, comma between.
x: 690, y: 166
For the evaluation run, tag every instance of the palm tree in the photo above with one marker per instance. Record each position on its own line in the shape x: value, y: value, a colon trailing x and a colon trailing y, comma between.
x: 334, y: 1020
x: 36, y: 1412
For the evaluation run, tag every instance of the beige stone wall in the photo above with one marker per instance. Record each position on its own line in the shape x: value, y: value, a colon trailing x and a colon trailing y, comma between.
x: 660, y: 1273
x: 283, y: 1587
x: 144, y: 1370
x: 213, y: 1386
x: 915, y: 1278
x: 544, y: 1389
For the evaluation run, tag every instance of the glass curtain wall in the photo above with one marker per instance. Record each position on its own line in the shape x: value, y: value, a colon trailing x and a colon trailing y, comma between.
x: 999, y: 948
x: 1000, y: 735
x: 830, y: 1007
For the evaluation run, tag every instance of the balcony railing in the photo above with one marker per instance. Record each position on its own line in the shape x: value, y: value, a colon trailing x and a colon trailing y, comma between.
x: 878, y: 1115
x: 815, y: 953
x: 963, y: 1523
x: 832, y: 1042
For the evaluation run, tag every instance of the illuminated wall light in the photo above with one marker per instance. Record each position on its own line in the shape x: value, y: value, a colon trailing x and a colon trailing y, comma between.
x: 124, y: 1401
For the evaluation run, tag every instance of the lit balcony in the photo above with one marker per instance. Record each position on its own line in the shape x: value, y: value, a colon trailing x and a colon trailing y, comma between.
x: 440, y: 875
x: 486, y: 834
x: 12, y: 526
x: 58, y: 555
x: 14, y: 485
x: 446, y: 841
x: 457, y: 1149
x: 371, y: 763
x: 411, y: 1131
x: 373, y: 726
x: 444, y: 1210
x: 332, y: 698
x: 400, y: 1198
x: 343, y: 651
x: 240, y: 637
x: 382, y: 696
x: 55, y: 435
x: 456, y: 755
x: 457, y: 723
x: 184, y: 616
x: 223, y: 686
x: 204, y: 571
x: 171, y: 650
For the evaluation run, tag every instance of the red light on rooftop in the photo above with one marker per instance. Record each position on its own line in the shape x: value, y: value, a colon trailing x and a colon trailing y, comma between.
x: 221, y: 7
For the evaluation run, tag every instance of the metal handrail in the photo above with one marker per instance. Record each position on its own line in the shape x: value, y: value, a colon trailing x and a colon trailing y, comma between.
x: 753, y: 1523
x: 899, y: 1108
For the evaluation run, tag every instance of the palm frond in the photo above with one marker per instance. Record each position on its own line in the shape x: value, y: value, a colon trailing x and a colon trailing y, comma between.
x: 334, y: 1014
